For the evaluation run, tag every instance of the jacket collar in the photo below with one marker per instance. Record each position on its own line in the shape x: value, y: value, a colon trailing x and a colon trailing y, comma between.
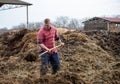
x: 47, y: 29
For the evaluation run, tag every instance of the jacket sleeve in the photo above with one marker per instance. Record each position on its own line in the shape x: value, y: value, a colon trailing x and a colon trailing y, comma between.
x: 56, y: 35
x: 40, y: 37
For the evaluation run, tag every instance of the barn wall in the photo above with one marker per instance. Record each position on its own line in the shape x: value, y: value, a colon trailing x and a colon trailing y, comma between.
x: 96, y: 24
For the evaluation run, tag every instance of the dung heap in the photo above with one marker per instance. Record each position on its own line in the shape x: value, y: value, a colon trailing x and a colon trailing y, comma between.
x: 108, y: 41
x: 83, y: 60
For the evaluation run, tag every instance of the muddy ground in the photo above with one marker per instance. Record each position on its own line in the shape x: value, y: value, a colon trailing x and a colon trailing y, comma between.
x: 86, y: 58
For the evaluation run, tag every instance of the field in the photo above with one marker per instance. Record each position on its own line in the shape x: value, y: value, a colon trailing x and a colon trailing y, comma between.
x: 86, y: 58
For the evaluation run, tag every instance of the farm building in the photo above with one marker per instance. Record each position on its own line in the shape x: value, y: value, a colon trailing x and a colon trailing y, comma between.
x: 102, y: 23
x: 11, y: 4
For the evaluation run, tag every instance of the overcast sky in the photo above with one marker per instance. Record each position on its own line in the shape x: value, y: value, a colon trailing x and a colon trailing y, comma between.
x: 42, y: 9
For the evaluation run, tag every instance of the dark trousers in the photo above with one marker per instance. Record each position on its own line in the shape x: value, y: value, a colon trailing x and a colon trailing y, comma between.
x: 53, y: 59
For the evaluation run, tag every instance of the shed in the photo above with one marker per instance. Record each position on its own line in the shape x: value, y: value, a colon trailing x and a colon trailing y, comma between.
x: 102, y: 23
x: 10, y: 4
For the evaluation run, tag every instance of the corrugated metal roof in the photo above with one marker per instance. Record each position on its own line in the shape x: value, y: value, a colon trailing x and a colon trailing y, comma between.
x: 14, y: 2
x: 111, y: 19
x: 115, y: 20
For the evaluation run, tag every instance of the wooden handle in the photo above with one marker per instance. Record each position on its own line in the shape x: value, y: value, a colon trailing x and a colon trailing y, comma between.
x: 50, y: 49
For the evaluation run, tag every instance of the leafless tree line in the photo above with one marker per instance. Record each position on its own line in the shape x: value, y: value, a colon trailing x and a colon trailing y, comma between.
x: 61, y: 22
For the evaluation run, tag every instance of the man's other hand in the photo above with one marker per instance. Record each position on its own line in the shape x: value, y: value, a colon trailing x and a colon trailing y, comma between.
x: 62, y: 43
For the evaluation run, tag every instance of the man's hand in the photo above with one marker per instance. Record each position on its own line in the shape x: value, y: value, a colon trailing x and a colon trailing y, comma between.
x: 48, y: 50
x: 44, y: 47
x: 61, y: 43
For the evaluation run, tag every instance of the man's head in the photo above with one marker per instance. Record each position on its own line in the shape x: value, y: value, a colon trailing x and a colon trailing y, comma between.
x: 47, y: 23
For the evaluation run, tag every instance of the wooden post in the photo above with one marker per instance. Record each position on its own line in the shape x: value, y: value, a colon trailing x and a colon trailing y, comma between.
x: 27, y: 23
x: 108, y: 26
x: 117, y: 29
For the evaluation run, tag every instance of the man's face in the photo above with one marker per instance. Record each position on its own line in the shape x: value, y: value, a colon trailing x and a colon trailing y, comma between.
x: 47, y: 26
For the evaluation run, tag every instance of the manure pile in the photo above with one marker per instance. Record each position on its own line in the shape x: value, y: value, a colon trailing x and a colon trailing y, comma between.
x: 84, y: 60
x: 108, y: 41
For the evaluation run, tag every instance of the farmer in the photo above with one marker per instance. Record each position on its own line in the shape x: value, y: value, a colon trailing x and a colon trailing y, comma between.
x: 46, y: 38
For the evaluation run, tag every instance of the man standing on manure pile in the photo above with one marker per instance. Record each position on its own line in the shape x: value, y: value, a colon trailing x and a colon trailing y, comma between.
x: 46, y: 38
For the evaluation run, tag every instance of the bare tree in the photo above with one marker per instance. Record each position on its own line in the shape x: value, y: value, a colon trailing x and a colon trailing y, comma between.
x: 2, y: 30
x: 74, y: 23
x: 61, y: 21
x: 32, y: 25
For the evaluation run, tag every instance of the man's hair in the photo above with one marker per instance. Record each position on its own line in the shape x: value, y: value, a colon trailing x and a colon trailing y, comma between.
x: 47, y: 20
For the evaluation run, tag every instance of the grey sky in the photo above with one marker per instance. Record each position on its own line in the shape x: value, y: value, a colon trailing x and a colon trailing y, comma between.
x: 42, y: 9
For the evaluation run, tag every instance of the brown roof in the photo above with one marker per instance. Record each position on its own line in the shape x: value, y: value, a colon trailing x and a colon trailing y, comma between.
x: 111, y: 19
x: 115, y: 20
x: 14, y: 2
